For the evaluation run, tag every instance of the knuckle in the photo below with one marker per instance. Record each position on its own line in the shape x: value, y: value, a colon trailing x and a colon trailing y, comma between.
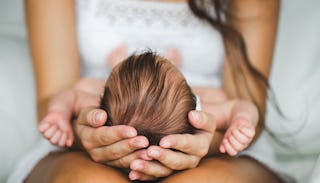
x: 202, y: 152
x: 86, y: 144
x: 194, y: 162
x: 95, y: 157
x: 177, y: 165
x: 116, y: 163
x: 166, y: 173
x: 105, y: 138
x: 119, y: 132
x: 184, y: 142
x: 114, y: 153
x: 123, y: 163
x: 162, y: 156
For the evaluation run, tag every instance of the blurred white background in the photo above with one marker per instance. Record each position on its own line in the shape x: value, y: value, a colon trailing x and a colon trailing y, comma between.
x: 295, y: 80
x: 17, y: 103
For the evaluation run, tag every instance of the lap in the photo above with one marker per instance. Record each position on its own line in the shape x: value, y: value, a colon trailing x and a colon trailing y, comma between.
x: 78, y: 167
x: 225, y: 169
x: 73, y: 167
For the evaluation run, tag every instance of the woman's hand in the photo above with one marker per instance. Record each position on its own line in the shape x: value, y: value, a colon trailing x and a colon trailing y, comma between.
x: 112, y: 145
x: 191, y: 149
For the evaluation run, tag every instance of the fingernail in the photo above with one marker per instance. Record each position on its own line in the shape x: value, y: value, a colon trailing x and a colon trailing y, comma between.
x: 137, y: 166
x: 130, y: 133
x: 99, y: 116
x: 139, y: 143
x: 144, y: 156
x: 195, y: 115
x: 154, y: 153
x: 133, y: 176
x: 165, y: 144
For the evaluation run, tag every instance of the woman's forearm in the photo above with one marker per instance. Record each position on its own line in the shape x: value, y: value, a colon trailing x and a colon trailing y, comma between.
x: 257, y: 22
x: 52, y: 39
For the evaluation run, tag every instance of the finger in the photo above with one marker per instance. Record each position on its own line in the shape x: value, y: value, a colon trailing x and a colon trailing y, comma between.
x: 106, y: 135
x: 222, y: 149
x: 249, y: 132
x: 119, y: 149
x: 50, y: 132
x: 69, y: 139
x: 63, y: 140
x: 92, y: 117
x: 56, y: 137
x: 144, y: 155
x: 44, y: 126
x: 235, y: 144
x: 173, y: 159
x: 70, y: 136
x: 125, y: 161
x: 194, y: 144
x: 151, y: 168
x: 64, y: 125
x: 202, y: 121
x: 229, y: 148
x: 241, y: 137
x: 134, y: 175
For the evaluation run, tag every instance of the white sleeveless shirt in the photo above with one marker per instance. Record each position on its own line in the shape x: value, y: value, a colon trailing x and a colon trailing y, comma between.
x: 105, y: 25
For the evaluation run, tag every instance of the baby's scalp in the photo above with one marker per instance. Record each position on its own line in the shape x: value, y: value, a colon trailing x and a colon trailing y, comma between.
x: 149, y: 93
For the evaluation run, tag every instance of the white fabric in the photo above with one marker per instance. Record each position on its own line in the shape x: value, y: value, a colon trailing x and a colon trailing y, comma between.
x: 262, y: 151
x: 295, y: 78
x: 104, y: 25
x: 17, y: 106
x: 200, y: 46
x: 315, y: 176
x: 296, y: 81
x: 31, y: 158
x: 198, y: 103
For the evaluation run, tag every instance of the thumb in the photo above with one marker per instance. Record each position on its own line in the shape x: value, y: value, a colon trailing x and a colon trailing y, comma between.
x: 93, y: 117
x: 202, y: 121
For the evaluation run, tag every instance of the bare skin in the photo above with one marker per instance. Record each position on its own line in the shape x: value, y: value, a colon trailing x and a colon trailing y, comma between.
x: 238, y: 118
x: 77, y: 167
x: 61, y: 55
x: 213, y: 170
x: 74, y: 167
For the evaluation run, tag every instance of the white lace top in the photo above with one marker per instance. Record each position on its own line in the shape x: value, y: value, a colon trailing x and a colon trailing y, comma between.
x: 109, y: 30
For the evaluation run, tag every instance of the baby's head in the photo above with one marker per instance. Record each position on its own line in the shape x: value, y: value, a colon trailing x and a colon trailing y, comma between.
x: 150, y: 94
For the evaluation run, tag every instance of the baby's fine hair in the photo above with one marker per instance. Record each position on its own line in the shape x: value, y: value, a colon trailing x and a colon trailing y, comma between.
x: 149, y: 93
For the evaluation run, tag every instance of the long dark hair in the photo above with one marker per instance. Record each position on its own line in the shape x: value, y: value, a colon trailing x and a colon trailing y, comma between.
x: 214, y: 12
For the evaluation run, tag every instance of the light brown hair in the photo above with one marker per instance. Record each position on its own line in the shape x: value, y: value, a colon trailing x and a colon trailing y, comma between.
x: 149, y: 93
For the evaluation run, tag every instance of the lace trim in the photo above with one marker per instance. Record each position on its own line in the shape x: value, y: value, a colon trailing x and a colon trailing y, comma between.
x: 146, y: 14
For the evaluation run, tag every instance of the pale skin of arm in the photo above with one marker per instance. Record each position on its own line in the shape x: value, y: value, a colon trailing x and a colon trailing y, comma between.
x: 52, y: 38
x: 48, y: 85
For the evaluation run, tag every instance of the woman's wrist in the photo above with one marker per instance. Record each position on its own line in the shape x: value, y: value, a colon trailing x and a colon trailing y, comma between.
x: 90, y: 85
x: 77, y: 145
x: 215, y: 143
